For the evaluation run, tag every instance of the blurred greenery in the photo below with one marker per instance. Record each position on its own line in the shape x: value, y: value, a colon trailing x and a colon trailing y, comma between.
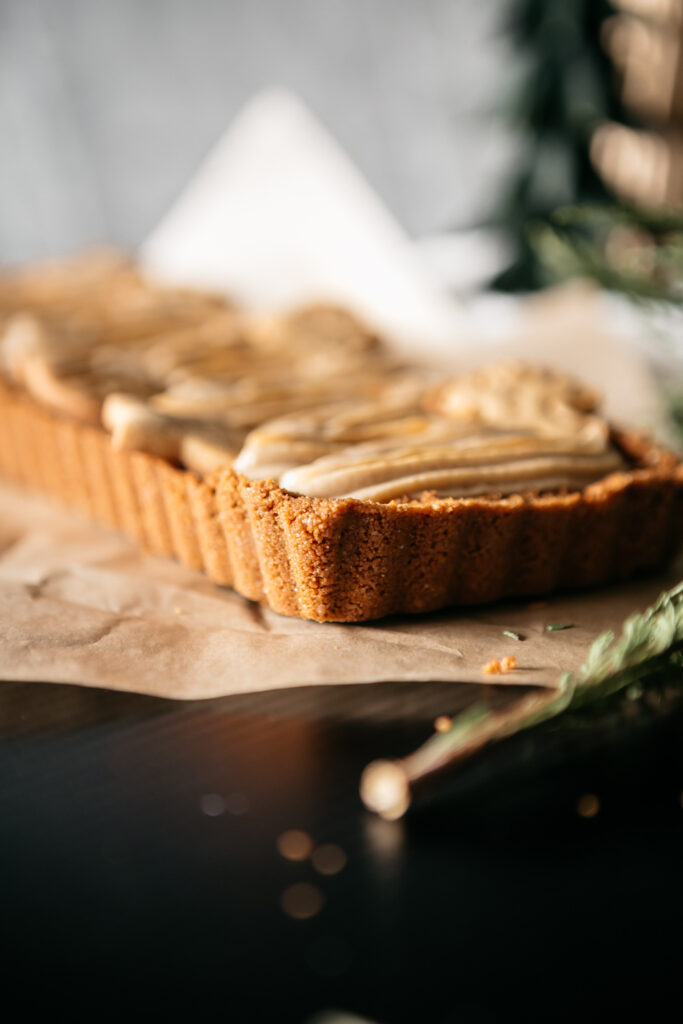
x: 632, y: 251
x: 568, y: 88
x: 623, y: 248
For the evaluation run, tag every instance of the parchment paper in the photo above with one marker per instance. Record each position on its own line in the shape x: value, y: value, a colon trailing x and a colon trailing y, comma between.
x: 80, y: 604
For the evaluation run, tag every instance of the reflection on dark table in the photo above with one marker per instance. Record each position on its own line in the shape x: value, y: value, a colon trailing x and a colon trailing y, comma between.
x: 497, y: 903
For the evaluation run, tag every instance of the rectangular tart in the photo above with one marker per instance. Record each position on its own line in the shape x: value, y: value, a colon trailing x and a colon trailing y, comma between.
x: 346, y: 558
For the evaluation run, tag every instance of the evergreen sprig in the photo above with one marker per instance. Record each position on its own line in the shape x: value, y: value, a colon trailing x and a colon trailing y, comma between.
x: 647, y: 640
x: 646, y: 651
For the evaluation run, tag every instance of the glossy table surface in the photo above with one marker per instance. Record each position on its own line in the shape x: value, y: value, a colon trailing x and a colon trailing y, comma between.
x: 138, y: 847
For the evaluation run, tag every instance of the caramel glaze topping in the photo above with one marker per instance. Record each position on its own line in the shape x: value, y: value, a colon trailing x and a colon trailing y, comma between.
x: 311, y: 400
x: 504, y: 429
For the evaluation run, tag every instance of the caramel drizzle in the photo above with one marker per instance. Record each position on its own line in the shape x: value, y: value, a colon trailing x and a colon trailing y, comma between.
x: 502, y: 430
x: 311, y: 400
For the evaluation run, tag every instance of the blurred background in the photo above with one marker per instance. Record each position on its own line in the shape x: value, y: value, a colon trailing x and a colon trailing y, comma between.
x: 461, y: 114
x: 108, y: 106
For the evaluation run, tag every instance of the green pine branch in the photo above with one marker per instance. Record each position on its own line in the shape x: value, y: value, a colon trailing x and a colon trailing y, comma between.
x: 649, y: 651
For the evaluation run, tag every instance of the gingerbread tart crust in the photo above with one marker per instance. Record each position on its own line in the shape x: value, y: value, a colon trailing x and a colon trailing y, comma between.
x: 340, y: 559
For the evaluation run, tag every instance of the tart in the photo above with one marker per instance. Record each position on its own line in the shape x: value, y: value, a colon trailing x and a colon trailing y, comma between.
x: 294, y: 459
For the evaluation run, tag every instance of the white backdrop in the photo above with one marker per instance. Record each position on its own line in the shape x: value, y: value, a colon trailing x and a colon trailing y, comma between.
x: 108, y: 106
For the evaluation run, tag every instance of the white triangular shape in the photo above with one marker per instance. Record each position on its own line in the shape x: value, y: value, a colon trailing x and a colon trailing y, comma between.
x: 278, y: 215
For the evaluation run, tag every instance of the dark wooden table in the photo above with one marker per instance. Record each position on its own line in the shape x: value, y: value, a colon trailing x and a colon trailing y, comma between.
x: 138, y: 857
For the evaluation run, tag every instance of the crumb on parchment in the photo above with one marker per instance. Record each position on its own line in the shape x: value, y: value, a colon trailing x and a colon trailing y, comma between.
x: 496, y: 667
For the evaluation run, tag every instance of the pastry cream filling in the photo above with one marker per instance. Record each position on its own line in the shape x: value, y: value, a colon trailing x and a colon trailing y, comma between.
x: 524, y: 463
x: 311, y: 400
x: 501, y: 430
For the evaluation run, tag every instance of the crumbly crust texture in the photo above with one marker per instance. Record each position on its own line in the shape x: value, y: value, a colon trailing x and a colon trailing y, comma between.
x: 345, y: 560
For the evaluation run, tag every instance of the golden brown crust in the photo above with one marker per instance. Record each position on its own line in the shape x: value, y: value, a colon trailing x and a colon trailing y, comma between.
x: 347, y: 560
